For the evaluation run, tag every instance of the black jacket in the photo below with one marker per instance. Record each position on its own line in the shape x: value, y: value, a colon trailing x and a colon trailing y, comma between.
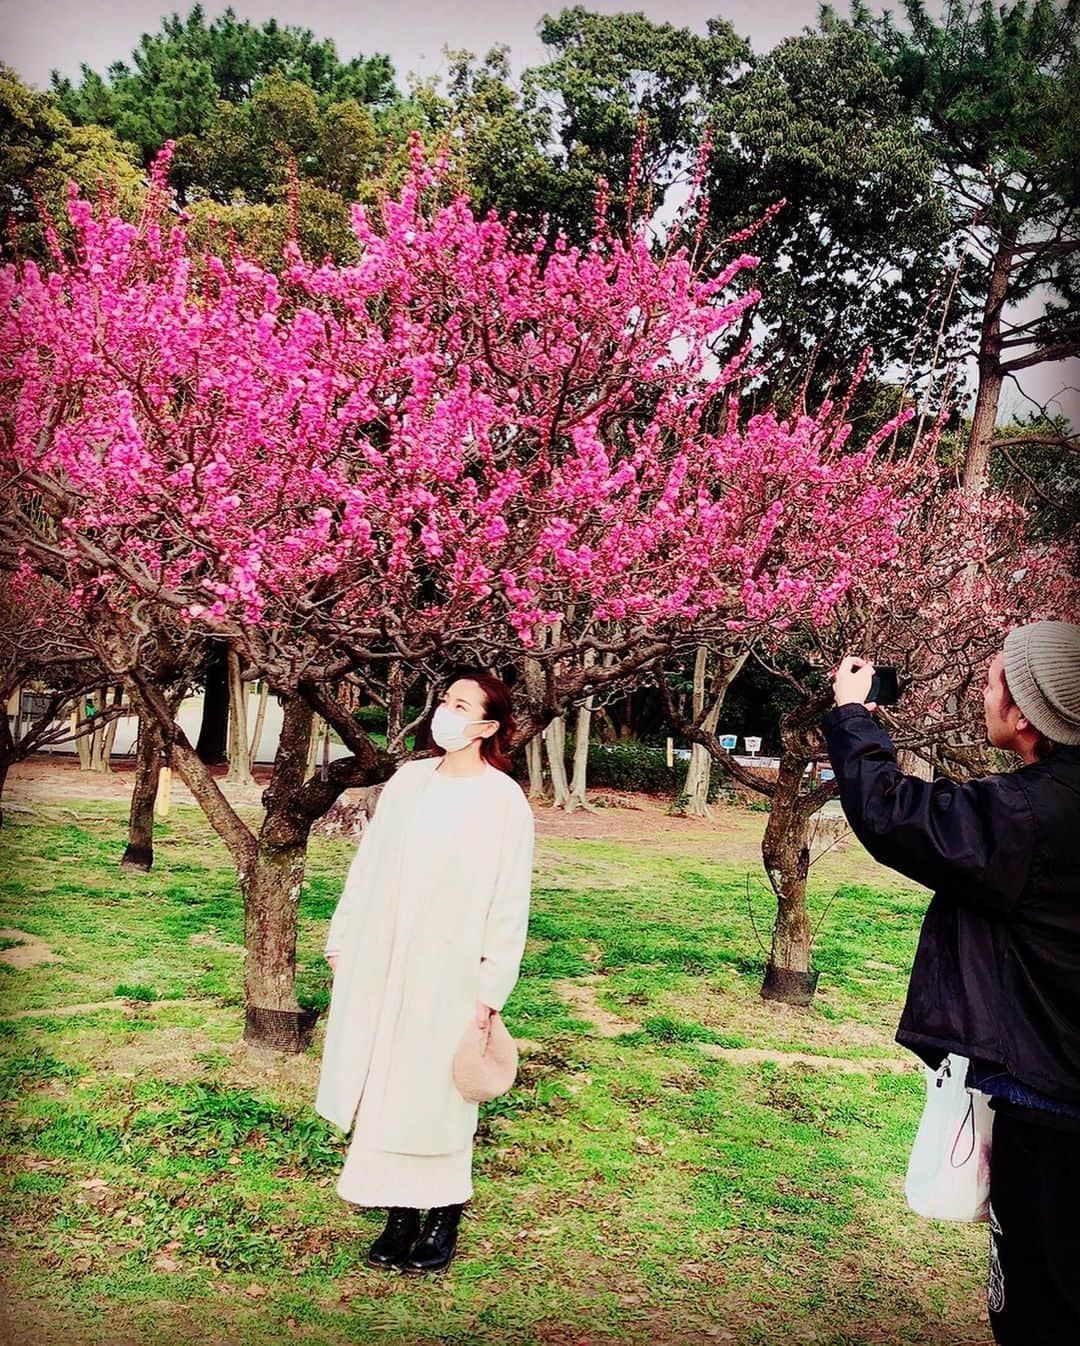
x: 997, y: 972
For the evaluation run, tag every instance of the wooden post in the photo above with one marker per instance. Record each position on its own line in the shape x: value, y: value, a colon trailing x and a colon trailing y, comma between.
x: 164, y: 793
x: 671, y: 752
x: 14, y: 710
x: 313, y: 749
x: 257, y: 732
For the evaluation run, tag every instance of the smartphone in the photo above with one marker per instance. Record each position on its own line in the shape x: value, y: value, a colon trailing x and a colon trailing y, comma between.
x: 885, y: 689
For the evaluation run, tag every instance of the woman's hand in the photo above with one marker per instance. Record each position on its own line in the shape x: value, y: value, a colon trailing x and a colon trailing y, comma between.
x: 332, y: 959
x: 483, y: 1015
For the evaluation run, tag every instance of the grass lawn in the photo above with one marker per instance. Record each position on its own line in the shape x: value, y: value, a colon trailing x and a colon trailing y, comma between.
x: 664, y: 1171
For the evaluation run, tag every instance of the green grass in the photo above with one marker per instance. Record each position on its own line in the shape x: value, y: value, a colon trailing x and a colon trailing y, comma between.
x: 642, y: 1182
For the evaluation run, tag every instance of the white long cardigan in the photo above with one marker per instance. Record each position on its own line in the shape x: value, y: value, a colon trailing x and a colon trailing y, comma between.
x: 466, y: 946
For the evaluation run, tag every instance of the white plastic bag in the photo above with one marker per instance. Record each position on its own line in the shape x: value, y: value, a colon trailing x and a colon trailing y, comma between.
x: 948, y: 1176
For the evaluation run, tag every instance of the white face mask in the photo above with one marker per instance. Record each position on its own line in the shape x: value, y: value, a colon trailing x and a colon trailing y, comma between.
x: 448, y: 729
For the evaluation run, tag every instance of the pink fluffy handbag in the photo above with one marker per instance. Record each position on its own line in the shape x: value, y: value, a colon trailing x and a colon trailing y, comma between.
x: 486, y: 1061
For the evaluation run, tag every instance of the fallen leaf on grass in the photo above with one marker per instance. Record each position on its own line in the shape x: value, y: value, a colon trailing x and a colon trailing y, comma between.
x: 163, y: 1263
x: 254, y: 1291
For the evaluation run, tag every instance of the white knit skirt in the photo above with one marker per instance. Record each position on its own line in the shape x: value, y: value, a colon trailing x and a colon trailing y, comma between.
x: 373, y: 1176
x: 377, y: 1177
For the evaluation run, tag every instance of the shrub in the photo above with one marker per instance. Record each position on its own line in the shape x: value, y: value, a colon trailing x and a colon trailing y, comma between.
x: 642, y: 768
x: 634, y: 767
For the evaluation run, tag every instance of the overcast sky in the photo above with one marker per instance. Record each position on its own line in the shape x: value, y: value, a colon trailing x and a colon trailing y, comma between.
x: 63, y: 33
x: 36, y: 38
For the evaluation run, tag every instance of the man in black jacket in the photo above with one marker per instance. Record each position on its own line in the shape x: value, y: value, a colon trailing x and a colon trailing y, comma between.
x: 996, y: 976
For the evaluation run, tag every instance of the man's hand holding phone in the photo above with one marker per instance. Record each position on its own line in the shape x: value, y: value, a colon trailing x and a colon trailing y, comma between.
x: 852, y: 682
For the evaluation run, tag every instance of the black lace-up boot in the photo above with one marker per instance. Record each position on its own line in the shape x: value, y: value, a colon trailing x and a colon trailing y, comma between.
x: 395, y: 1242
x: 434, y: 1249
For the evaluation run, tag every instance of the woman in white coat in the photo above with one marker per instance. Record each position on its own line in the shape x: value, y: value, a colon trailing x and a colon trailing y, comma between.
x: 428, y: 934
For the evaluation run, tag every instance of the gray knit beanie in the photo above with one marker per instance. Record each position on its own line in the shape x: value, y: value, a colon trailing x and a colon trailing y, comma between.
x: 1042, y: 668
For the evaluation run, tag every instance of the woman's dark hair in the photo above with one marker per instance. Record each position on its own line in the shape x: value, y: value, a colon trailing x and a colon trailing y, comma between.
x: 498, y: 706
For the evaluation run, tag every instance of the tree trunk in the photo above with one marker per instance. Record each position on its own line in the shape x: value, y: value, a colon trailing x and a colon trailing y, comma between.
x: 555, y: 742
x: 534, y: 748
x: 211, y: 747
x: 534, y: 760
x: 626, y: 729
x: 699, y: 772
x: 582, y: 729
x: 698, y: 779
x: 580, y: 780
x: 94, y: 704
x: 78, y: 720
x: 139, y: 853
x: 271, y: 888
x: 608, y: 731
x: 984, y: 417
x: 114, y: 724
x: 239, y: 771
x: 785, y: 850
x: 395, y: 702
x: 8, y: 750
x: 97, y: 738
x: 107, y: 737
x: 269, y: 866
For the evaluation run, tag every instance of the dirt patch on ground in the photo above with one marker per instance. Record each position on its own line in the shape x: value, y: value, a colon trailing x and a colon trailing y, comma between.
x: 580, y: 995
x: 26, y: 951
x: 752, y: 1056
x: 179, y: 1054
x: 210, y: 1050
x: 747, y: 1014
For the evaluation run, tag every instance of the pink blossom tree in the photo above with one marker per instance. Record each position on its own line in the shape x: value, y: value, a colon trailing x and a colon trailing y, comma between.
x: 452, y: 450
x: 962, y: 575
x: 43, y: 649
